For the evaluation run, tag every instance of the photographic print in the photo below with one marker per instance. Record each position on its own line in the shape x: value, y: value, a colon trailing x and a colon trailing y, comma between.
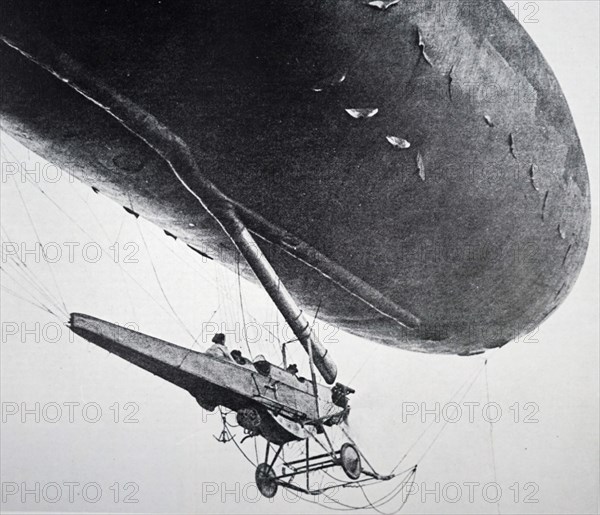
x: 299, y: 256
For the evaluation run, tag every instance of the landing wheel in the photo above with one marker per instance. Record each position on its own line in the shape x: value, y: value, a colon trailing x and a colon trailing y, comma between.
x: 265, y: 480
x: 350, y: 461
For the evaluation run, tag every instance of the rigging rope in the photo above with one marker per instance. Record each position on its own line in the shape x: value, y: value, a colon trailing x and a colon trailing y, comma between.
x: 45, y: 299
x: 164, y: 294
x: 39, y: 306
x: 109, y: 242
x: 386, y: 499
x: 23, y: 271
x: 102, y: 249
x: 244, y: 330
x: 40, y: 243
x: 446, y: 422
x: 491, y: 425
x: 469, y: 381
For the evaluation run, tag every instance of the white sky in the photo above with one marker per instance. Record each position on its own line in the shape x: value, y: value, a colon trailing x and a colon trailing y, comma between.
x: 170, y: 453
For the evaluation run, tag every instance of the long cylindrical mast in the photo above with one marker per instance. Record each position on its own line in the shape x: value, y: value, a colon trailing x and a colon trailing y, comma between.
x: 293, y: 315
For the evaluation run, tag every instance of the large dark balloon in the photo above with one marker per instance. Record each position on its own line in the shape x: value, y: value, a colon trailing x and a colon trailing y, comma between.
x: 425, y: 149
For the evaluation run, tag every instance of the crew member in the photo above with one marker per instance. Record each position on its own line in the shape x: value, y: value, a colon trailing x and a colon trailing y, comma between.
x: 238, y: 358
x: 219, y: 349
x: 292, y: 369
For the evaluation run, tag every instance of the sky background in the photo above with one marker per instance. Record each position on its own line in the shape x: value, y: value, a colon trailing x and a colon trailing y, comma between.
x: 153, y: 444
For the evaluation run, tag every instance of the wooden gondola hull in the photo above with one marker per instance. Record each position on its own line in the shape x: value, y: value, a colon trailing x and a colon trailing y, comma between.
x: 285, y: 404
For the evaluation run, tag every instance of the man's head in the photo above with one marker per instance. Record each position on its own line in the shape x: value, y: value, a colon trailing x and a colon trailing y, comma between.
x: 219, y: 339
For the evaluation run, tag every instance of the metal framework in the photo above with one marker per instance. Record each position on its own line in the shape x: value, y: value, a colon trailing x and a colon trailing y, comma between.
x: 348, y: 458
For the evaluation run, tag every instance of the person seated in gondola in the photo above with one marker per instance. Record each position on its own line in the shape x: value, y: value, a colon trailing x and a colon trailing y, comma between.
x: 293, y: 369
x: 262, y: 366
x: 219, y: 349
x: 238, y: 358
